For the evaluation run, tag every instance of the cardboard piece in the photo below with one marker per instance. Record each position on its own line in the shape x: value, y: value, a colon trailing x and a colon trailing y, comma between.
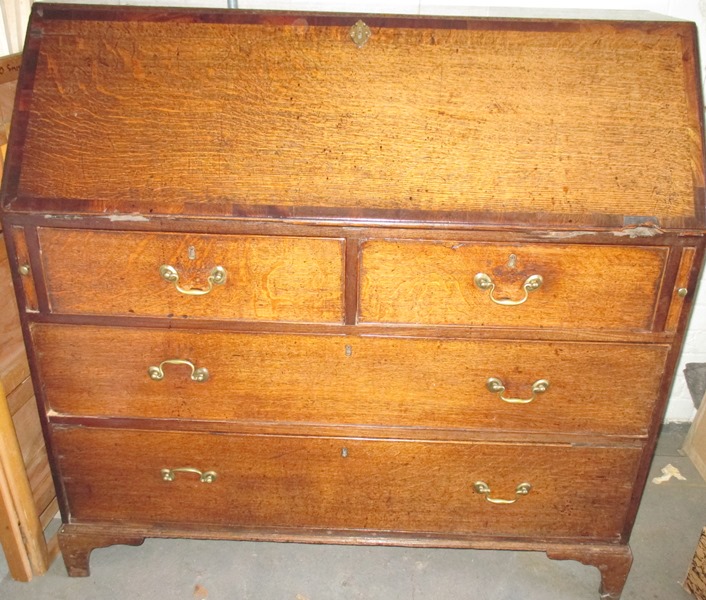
x: 695, y: 582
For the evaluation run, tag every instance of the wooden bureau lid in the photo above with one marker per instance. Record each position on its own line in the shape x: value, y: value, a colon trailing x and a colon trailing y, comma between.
x: 481, y: 121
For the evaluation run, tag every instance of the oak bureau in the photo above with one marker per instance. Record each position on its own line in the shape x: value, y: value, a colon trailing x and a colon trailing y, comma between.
x: 354, y: 279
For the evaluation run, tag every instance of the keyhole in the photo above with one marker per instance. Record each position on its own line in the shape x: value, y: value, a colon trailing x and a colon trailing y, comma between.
x: 512, y: 261
x: 344, y: 452
x: 191, y: 252
x: 349, y: 350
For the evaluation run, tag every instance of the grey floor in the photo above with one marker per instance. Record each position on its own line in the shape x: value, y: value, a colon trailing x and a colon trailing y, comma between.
x: 670, y: 520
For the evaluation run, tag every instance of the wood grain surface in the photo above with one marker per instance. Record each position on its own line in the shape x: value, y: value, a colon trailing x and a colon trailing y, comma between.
x: 269, y: 278
x: 585, y: 287
x: 23, y: 259
x: 587, y: 119
x: 14, y: 368
x: 115, y: 475
x: 352, y: 194
x: 676, y: 306
x: 594, y: 388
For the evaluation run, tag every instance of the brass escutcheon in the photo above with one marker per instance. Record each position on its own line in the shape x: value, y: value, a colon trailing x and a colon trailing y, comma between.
x: 360, y: 34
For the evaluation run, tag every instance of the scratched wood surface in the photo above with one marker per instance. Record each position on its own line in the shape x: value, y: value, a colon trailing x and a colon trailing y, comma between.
x: 349, y: 380
x: 589, y: 118
x: 345, y: 483
x: 268, y: 278
x: 585, y: 287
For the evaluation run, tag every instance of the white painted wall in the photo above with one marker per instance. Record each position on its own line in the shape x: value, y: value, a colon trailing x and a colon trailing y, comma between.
x: 680, y: 404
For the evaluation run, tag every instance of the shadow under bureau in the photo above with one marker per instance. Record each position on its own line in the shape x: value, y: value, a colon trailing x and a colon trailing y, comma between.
x: 344, y: 279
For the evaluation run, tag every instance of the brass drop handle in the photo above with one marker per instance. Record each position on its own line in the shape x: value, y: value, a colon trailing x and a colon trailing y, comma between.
x: 198, y: 374
x: 496, y: 386
x: 481, y: 487
x: 204, y: 476
x: 484, y: 282
x: 217, y: 276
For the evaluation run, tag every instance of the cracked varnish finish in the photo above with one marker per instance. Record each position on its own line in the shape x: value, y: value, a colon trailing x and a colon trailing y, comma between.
x: 562, y: 118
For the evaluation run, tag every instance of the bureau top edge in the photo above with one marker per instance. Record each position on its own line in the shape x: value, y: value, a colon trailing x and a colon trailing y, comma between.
x: 355, y: 225
x: 358, y: 118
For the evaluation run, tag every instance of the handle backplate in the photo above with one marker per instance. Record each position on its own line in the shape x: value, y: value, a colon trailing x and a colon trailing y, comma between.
x: 480, y: 487
x: 496, y: 386
x: 204, y: 476
x: 217, y: 276
x: 485, y: 282
x: 198, y: 374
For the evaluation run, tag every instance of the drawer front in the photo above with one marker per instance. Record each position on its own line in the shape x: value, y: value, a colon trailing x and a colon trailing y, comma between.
x: 338, y: 483
x: 266, y: 278
x: 600, y: 387
x: 584, y: 287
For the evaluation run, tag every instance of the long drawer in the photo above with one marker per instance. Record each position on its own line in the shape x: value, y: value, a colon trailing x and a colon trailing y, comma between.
x: 564, y: 286
x: 255, y: 278
x: 337, y: 483
x: 327, y: 379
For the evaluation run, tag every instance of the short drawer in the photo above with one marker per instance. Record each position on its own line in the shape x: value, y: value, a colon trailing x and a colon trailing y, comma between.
x: 251, y: 278
x: 337, y: 483
x: 491, y: 285
x: 606, y: 388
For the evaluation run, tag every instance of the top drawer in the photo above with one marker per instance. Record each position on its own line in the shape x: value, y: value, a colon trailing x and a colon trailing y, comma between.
x: 581, y: 287
x: 174, y: 275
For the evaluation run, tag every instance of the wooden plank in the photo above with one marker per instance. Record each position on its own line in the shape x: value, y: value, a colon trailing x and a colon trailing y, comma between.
x: 18, y: 397
x: 48, y: 514
x: 695, y: 442
x: 14, y: 368
x: 11, y: 536
x: 19, y: 493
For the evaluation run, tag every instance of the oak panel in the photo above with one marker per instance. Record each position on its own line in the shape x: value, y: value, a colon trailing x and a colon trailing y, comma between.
x: 587, y: 119
x: 343, y: 483
x: 584, y: 287
x: 273, y: 378
x: 268, y: 278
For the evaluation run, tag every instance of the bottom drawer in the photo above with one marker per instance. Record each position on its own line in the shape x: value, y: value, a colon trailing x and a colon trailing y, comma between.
x: 339, y: 483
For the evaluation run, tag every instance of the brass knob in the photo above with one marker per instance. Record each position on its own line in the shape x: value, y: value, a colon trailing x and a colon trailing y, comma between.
x: 24, y: 270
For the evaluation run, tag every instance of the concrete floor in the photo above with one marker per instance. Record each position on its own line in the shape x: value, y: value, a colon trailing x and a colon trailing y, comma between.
x: 664, y: 538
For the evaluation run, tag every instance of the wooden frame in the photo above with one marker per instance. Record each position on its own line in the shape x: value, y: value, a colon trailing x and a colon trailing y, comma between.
x: 21, y: 532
